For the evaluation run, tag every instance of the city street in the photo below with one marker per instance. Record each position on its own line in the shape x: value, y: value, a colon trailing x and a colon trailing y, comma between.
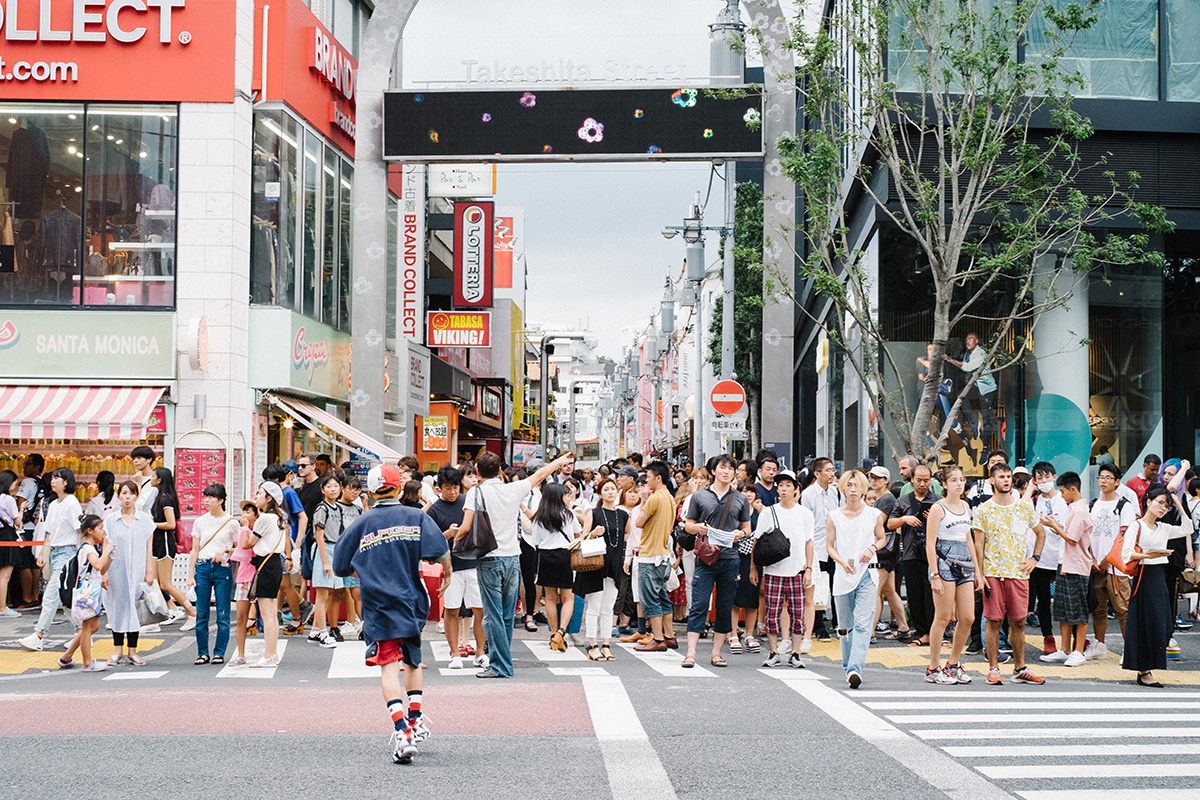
x: 641, y: 726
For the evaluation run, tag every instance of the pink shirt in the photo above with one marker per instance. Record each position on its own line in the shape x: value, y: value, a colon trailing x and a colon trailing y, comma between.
x: 1077, y: 540
x: 245, y: 570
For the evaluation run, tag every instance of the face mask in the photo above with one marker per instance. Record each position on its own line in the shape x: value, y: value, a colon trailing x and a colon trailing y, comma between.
x: 1045, y: 487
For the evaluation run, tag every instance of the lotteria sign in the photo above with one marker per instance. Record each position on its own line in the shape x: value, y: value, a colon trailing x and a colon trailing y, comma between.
x: 473, y: 241
x: 143, y: 50
x: 459, y: 329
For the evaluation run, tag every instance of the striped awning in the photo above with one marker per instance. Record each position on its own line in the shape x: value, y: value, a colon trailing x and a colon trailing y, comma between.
x: 76, y: 412
x: 332, y: 429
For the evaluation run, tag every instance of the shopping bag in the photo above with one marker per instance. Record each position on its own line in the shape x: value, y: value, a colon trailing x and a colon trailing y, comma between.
x: 155, y: 601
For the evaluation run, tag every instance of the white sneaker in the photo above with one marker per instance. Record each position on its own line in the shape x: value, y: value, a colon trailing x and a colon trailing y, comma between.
x: 441, y: 626
x: 456, y: 662
x: 327, y: 641
x: 190, y: 625
x: 154, y: 628
x: 9, y: 613
x: 1096, y: 651
x: 806, y: 646
x: 482, y: 661
x: 1057, y: 657
x: 174, y: 616
x: 1075, y: 659
x: 31, y: 642
x: 785, y: 646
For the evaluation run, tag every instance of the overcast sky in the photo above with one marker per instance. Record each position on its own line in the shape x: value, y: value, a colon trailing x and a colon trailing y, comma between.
x: 592, y: 232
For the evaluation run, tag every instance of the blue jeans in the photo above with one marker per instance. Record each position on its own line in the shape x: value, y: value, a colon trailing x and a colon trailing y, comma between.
x: 723, y: 575
x: 857, y: 605
x: 59, y: 558
x: 213, y: 578
x: 499, y: 587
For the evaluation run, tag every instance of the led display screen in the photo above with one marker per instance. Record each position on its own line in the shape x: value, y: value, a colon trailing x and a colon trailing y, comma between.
x: 571, y: 125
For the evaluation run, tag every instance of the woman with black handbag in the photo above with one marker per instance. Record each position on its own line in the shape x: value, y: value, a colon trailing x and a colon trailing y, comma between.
x: 599, y: 587
x: 554, y: 529
x: 268, y: 539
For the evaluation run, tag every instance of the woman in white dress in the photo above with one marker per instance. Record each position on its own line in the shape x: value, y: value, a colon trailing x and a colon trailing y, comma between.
x: 130, y: 530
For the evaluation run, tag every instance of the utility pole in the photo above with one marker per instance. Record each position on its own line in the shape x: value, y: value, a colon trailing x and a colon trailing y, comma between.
x: 727, y: 66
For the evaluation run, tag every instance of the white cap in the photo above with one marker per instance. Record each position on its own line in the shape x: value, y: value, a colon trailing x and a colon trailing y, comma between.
x: 274, y: 491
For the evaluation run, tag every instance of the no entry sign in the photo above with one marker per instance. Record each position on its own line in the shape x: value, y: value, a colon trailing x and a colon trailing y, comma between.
x: 728, y: 397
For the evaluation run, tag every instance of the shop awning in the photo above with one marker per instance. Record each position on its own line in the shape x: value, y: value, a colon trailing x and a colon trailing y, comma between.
x: 340, y: 433
x: 76, y: 412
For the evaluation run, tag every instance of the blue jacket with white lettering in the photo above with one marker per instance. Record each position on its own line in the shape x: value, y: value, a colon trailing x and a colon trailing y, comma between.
x: 385, y: 546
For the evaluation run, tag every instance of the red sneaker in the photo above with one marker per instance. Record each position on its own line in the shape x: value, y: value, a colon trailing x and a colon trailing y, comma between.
x: 1023, y: 675
x: 1048, y: 645
x: 994, y: 678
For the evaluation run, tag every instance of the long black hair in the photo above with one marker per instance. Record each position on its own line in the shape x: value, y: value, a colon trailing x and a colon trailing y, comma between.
x: 105, y: 483
x: 166, y: 495
x: 7, y: 479
x: 552, y: 512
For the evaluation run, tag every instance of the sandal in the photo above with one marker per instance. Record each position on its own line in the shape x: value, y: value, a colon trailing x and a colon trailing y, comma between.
x: 606, y: 654
x: 688, y: 662
x: 201, y: 660
x: 530, y: 625
x: 591, y: 652
x: 115, y: 660
x: 735, y: 646
x: 752, y: 645
x: 252, y: 630
x: 218, y: 659
x: 237, y: 661
x: 134, y: 660
x: 1153, y: 683
x: 897, y: 636
x: 717, y: 661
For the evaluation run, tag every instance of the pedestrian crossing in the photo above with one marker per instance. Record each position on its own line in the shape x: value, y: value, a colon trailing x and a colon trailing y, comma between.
x: 1057, y: 745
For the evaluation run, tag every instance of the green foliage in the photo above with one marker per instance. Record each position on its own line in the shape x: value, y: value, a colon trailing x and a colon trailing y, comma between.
x: 747, y: 292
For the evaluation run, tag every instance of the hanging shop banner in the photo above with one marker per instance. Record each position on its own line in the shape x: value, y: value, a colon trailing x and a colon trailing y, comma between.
x: 460, y: 329
x: 87, y: 344
x: 473, y: 234
x: 411, y: 285
x: 161, y: 50
x: 435, y: 434
x: 297, y: 352
x: 418, y: 379
x: 462, y: 180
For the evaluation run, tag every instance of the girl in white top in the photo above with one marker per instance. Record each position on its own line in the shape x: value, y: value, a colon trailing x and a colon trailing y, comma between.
x: 269, y: 541
x: 853, y: 534
x: 213, y: 540
x: 555, y: 527
x: 61, y: 541
x: 8, y: 533
x: 94, y: 557
x: 948, y: 549
x: 105, y: 501
x: 130, y: 531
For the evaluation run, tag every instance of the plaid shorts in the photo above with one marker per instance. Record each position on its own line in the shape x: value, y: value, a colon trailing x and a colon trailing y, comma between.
x: 1070, y: 599
x: 780, y: 590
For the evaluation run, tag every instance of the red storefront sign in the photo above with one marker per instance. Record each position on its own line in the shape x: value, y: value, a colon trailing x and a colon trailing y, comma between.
x: 306, y: 68
x: 118, y: 50
x: 473, y: 234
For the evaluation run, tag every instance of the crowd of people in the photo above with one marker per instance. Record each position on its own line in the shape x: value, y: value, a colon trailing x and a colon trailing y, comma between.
x: 734, y: 550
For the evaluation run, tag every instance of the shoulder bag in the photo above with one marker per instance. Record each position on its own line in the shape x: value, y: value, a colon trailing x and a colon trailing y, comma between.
x: 706, y: 551
x: 1116, y: 560
x: 773, y: 546
x: 480, y: 540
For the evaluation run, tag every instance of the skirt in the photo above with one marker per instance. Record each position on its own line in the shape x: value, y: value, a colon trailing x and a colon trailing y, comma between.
x: 554, y: 569
x: 10, y: 556
x: 1149, y: 621
x: 270, y: 575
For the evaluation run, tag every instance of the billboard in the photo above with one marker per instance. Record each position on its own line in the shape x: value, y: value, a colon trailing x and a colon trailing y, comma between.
x: 459, y: 329
x: 584, y: 124
x: 473, y: 243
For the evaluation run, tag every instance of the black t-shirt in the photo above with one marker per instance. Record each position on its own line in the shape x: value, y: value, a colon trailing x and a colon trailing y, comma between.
x: 706, y: 507
x: 911, y: 548
x: 447, y: 514
x: 310, y: 498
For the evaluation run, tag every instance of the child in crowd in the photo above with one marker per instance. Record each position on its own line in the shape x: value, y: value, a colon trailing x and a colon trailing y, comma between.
x: 94, y: 556
x: 242, y: 577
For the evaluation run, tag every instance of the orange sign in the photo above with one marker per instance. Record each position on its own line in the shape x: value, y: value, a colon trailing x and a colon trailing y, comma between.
x: 435, y: 433
x: 502, y: 253
x: 172, y: 51
x: 459, y: 329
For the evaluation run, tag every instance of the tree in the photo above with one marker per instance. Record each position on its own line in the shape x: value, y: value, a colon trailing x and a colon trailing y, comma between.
x: 747, y: 304
x: 970, y: 151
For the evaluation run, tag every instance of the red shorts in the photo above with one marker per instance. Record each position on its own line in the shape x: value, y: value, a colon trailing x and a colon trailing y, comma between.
x: 406, y: 651
x: 1006, y: 596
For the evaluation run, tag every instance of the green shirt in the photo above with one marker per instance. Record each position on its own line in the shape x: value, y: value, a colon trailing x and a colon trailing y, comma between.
x: 934, y: 486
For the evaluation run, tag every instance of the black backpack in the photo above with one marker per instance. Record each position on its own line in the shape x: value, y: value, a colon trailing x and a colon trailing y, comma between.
x: 68, y: 579
x: 773, y: 546
x: 1121, y: 503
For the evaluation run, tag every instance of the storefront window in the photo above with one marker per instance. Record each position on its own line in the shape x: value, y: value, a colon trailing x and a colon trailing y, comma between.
x: 1117, y: 57
x: 1183, y: 50
x: 276, y: 199
x: 330, y: 237
x: 129, y: 205
x: 344, y: 248
x: 309, y: 233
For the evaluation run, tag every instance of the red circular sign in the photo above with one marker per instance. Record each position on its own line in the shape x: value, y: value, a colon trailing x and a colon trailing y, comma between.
x: 728, y: 397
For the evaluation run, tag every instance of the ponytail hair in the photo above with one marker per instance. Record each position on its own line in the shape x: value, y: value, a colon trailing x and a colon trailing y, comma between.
x: 88, y: 523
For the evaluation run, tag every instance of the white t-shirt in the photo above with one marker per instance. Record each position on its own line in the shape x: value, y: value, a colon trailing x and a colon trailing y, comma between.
x: 954, y: 527
x: 546, y: 539
x: 503, y: 501
x: 854, y: 536
x: 267, y: 527
x: 820, y: 502
x: 1106, y: 525
x: 214, y: 534
x: 797, y: 524
x: 62, y: 522
x: 147, y: 493
x: 1052, y: 550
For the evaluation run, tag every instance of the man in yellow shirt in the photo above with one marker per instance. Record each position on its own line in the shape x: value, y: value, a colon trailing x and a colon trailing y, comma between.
x: 656, y: 518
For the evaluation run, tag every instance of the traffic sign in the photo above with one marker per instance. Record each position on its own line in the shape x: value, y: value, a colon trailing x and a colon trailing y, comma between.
x: 728, y: 426
x: 728, y: 397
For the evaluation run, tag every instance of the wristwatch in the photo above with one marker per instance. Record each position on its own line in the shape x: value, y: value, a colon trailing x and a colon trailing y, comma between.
x: 933, y: 574
x: 1037, y: 556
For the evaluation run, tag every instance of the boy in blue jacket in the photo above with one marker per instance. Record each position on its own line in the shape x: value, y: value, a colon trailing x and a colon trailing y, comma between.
x: 385, y: 547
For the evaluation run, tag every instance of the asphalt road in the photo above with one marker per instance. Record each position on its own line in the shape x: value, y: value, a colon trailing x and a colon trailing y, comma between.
x: 639, y: 727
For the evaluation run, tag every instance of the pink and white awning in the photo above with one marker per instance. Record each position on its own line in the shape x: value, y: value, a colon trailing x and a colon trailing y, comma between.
x: 76, y: 412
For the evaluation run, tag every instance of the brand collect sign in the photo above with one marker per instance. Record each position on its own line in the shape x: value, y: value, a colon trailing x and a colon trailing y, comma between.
x: 86, y: 49
x: 412, y: 251
x: 473, y: 253
x: 460, y: 329
x: 85, y: 345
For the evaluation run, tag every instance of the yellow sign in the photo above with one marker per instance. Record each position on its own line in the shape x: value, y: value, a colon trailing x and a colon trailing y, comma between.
x: 435, y: 433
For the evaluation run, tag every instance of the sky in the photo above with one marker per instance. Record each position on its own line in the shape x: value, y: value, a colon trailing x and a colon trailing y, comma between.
x: 594, y: 249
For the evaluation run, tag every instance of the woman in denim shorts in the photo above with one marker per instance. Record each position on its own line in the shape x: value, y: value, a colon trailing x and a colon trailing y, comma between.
x: 954, y: 576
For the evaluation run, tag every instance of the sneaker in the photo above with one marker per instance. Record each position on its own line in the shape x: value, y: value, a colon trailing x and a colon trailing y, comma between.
x: 316, y: 635
x: 174, y: 616
x: 441, y: 627
x: 958, y: 673
x: 1006, y: 648
x: 939, y: 676
x: 456, y: 662
x: 794, y: 662
x: 1182, y: 624
x: 31, y: 642
x: 785, y: 646
x: 404, y: 749
x: 190, y: 625
x: 772, y: 660
x: 351, y: 629
x: 1057, y: 657
x: 336, y: 633
x: 9, y: 613
x: 1023, y: 675
x: 419, y: 728
x: 482, y: 661
x: 1003, y: 657
x: 825, y: 637
x: 854, y: 680
x: 307, y: 610
x: 328, y: 642
x: 1096, y: 651
x: 153, y: 628
x: 1048, y: 645
x: 994, y: 678
x: 805, y: 646
x: 1075, y: 659
x: 881, y: 627
x: 975, y: 648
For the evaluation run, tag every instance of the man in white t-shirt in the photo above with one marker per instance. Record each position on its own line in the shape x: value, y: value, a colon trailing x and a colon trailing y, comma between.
x: 499, y: 571
x: 1111, y: 515
x: 143, y: 461
x: 821, y: 497
x: 789, y: 579
x: 1048, y: 503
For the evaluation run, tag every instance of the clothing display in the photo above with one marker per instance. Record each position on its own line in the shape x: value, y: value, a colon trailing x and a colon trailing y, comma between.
x: 28, y: 166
